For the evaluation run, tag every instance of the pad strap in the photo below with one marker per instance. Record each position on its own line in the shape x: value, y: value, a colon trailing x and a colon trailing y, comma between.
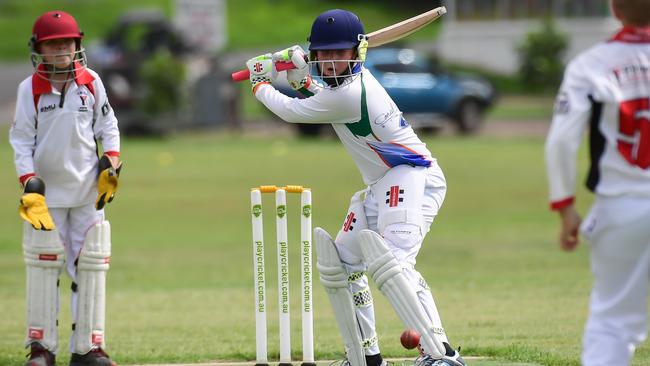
x: 400, y: 217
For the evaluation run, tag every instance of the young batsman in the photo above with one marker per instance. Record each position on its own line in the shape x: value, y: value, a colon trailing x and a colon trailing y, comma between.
x: 386, y: 222
x: 606, y: 93
x: 62, y: 116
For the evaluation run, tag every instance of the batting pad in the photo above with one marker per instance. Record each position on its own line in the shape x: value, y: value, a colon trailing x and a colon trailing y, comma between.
x: 92, y: 265
x: 44, y: 258
x: 387, y: 274
x: 335, y: 280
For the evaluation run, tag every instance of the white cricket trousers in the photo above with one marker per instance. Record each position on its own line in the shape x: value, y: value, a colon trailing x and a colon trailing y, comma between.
x: 619, y: 232
x: 406, y: 200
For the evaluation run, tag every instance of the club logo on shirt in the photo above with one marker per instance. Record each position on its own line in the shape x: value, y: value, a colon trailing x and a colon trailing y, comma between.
x: 47, y: 108
x: 392, y: 196
x: 83, y: 107
x: 384, y: 118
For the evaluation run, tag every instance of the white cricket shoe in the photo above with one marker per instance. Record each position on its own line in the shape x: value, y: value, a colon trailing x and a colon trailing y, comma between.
x: 453, y: 360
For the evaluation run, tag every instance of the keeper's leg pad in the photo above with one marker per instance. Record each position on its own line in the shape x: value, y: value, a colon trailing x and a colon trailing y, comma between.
x: 92, y: 265
x: 44, y: 260
x: 335, y: 280
x: 385, y: 270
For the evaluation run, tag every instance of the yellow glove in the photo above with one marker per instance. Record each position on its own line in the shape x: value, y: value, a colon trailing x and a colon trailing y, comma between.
x: 106, y: 182
x: 362, y: 49
x: 32, y: 205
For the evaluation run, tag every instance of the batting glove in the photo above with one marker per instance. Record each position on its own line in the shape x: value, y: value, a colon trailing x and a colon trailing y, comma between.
x: 298, y: 77
x: 32, y: 205
x: 261, y: 70
x: 362, y: 49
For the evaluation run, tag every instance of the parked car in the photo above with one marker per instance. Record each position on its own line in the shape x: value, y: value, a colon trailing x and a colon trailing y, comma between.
x: 428, y: 95
x: 133, y: 40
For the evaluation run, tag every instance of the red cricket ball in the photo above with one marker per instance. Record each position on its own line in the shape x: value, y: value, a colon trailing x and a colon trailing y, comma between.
x: 410, y: 338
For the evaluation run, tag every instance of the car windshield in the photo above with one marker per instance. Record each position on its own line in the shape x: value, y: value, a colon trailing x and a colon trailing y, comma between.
x: 404, y: 61
x: 400, y: 68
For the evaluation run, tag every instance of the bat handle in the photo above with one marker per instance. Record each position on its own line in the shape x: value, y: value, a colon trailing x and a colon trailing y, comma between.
x: 242, y: 75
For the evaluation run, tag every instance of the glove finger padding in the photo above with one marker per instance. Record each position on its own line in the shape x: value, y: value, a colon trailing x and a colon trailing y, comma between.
x: 34, y: 210
x: 261, y: 70
x: 295, y: 54
x: 298, y: 58
x: 107, y: 183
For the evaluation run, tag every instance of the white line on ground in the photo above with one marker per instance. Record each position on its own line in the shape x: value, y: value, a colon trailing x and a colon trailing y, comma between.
x: 251, y: 363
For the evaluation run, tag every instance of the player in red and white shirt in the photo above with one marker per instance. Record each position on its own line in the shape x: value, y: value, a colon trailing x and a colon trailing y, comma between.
x: 606, y: 94
x: 62, y: 118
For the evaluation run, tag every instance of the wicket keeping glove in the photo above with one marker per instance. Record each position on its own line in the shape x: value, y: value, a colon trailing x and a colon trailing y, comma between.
x: 261, y: 70
x: 298, y: 77
x: 106, y: 182
x: 32, y: 205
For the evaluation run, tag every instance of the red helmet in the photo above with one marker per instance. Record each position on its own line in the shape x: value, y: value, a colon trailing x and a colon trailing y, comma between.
x: 54, y: 25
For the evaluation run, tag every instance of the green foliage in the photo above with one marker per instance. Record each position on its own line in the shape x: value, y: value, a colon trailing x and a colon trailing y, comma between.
x: 541, y: 66
x: 250, y: 24
x: 95, y: 18
x: 162, y: 78
x: 255, y: 24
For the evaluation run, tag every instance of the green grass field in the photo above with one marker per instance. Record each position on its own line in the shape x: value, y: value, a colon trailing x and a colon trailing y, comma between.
x: 180, y: 283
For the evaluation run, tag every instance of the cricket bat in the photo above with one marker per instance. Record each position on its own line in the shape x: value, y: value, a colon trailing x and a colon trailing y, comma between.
x: 377, y: 38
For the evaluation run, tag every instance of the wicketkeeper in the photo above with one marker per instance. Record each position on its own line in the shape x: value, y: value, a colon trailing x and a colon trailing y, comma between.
x: 386, y: 222
x: 62, y: 114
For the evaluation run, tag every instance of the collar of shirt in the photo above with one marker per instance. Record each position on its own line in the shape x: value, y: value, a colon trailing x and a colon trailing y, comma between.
x: 633, y: 35
x: 41, y: 85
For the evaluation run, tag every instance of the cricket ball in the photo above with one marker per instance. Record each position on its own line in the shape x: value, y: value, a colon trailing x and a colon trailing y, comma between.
x: 410, y: 338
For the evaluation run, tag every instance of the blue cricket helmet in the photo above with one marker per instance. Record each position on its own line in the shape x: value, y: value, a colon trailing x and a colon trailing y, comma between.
x: 335, y: 29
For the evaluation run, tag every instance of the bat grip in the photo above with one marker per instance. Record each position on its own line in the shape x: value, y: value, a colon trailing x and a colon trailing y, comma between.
x: 245, y: 74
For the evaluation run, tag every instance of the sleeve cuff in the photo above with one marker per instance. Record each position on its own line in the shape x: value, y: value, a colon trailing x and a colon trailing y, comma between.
x: 112, y: 153
x: 23, y: 178
x: 558, y: 205
x: 258, y: 85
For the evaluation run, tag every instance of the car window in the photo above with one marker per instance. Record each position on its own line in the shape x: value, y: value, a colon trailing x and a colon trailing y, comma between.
x: 400, y: 68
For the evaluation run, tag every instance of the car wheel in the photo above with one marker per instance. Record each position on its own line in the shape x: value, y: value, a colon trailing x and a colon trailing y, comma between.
x: 430, y: 130
x: 309, y: 129
x: 469, y: 116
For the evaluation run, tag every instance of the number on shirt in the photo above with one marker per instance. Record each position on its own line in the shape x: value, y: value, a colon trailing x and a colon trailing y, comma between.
x: 634, y: 127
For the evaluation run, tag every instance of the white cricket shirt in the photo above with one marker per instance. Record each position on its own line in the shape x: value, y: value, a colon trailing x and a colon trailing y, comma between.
x: 59, y: 144
x: 606, y: 91
x: 365, y: 118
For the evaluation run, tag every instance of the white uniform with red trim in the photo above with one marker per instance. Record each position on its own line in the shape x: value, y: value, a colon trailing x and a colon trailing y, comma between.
x: 406, y: 187
x: 606, y: 91
x: 59, y: 143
